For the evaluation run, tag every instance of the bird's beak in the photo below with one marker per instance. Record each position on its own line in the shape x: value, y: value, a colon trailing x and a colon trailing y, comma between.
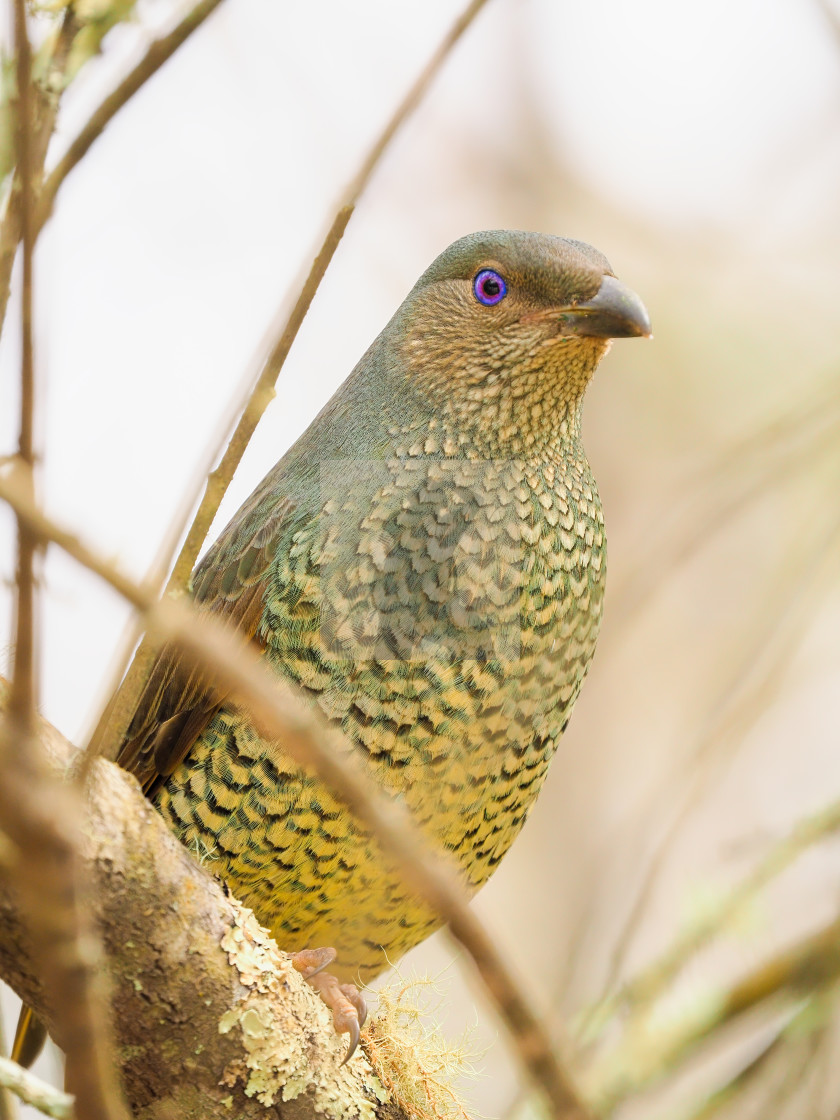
x: 615, y: 312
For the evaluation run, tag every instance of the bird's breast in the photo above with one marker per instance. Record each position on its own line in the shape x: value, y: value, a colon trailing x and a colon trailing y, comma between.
x: 443, y: 612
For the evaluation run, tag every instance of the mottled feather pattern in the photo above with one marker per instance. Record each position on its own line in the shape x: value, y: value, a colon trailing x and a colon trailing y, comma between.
x: 427, y: 565
x: 177, y: 703
x: 456, y: 700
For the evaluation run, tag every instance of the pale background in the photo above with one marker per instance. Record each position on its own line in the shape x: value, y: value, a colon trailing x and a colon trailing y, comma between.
x: 698, y: 146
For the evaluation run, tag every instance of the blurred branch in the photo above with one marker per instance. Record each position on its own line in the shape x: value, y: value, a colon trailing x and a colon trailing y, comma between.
x: 775, y: 1052
x: 734, y: 713
x: 652, y: 982
x: 832, y: 17
x: 747, y: 690
x: 739, y: 475
x: 159, y: 52
x: 641, y: 993
x: 647, y: 1055
x: 33, y: 1091
x: 117, y: 716
x: 744, y: 699
x: 754, y: 1071
x: 312, y: 743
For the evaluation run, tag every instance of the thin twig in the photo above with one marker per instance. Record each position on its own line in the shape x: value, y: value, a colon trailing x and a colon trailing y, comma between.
x: 704, y: 507
x: 311, y: 742
x: 159, y: 52
x: 109, y: 692
x: 43, y: 121
x: 263, y: 391
x: 646, y: 1056
x: 33, y: 1091
x: 653, y: 981
x: 23, y: 699
x: 115, y: 719
x: 775, y: 1050
x: 735, y: 710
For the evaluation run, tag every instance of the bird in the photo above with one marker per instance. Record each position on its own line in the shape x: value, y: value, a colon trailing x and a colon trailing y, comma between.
x: 426, y: 564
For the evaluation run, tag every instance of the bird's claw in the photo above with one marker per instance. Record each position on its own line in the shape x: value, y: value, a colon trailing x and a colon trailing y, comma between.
x: 358, y: 1001
x: 345, y: 1001
x: 309, y: 962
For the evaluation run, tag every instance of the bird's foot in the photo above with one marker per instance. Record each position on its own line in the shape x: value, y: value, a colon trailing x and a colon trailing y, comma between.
x: 345, y: 1001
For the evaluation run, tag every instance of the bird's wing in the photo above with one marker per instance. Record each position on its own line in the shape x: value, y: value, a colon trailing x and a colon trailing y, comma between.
x: 178, y: 702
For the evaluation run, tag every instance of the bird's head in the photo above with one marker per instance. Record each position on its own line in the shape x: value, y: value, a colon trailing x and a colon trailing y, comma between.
x: 505, y: 329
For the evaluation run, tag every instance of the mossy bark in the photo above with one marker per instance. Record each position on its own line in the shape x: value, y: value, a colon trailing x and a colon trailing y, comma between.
x: 209, y: 1018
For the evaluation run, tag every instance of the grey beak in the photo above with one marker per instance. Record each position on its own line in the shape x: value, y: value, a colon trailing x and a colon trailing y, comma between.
x: 615, y: 312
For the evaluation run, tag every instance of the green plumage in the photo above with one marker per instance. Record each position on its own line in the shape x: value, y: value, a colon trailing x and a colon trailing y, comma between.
x: 427, y: 563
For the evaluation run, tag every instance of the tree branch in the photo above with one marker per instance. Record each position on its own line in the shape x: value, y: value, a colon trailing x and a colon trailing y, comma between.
x: 210, y: 1018
x: 32, y: 1090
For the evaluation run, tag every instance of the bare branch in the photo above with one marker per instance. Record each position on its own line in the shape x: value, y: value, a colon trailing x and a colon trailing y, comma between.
x: 311, y: 742
x: 114, y: 722
x: 193, y: 974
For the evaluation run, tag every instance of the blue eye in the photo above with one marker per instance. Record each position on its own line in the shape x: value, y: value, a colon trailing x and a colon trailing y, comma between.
x: 489, y: 287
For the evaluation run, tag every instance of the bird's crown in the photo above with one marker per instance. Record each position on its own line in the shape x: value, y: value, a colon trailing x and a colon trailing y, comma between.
x: 506, y: 328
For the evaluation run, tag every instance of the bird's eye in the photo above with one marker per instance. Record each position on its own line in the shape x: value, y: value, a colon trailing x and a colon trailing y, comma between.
x: 489, y: 287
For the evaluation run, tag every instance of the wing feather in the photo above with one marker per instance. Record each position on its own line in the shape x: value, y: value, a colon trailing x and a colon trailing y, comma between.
x: 179, y: 702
